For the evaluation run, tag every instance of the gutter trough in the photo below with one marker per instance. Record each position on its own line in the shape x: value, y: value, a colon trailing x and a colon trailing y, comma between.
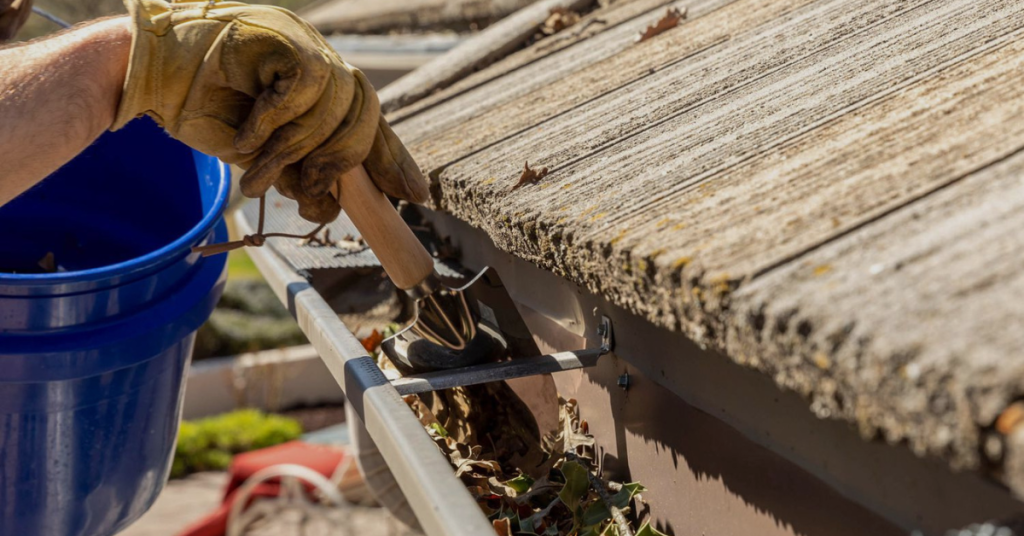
x: 440, y: 501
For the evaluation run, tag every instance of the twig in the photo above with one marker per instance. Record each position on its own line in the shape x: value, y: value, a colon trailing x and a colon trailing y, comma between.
x: 253, y: 240
x: 50, y: 17
x: 600, y: 486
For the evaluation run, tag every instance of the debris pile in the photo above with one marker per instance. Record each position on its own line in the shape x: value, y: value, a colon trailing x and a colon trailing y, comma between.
x: 564, y: 495
x: 525, y: 484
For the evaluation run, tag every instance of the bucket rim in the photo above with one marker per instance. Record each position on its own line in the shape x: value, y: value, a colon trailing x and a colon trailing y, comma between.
x: 218, y: 170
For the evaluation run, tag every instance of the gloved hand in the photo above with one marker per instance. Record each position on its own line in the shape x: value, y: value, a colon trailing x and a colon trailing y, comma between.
x: 13, y: 14
x: 258, y: 87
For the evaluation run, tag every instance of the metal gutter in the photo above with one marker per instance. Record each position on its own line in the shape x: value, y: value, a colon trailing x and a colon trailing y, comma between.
x: 440, y: 501
x: 646, y: 428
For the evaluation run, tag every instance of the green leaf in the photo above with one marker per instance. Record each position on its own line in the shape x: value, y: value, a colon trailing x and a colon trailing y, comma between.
x: 528, y: 524
x: 439, y: 429
x: 648, y: 530
x: 577, y: 483
x: 597, y: 512
x: 611, y: 530
x: 520, y: 483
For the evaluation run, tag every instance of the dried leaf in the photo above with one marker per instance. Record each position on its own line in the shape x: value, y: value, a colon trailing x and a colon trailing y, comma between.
x: 501, y: 488
x: 467, y: 459
x: 530, y: 176
x: 559, y: 18
x: 319, y: 241
x: 573, y: 436
x: 47, y: 263
x: 350, y: 245
x: 669, y: 21
x: 502, y: 526
x: 372, y: 341
x: 349, y: 242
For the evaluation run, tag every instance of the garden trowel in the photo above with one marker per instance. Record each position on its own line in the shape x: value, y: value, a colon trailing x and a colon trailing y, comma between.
x: 452, y: 327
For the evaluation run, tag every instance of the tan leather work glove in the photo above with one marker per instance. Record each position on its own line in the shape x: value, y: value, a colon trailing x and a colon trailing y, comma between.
x: 13, y: 14
x: 259, y: 87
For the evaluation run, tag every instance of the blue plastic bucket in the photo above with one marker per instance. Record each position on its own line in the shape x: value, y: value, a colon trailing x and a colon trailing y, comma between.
x: 92, y: 359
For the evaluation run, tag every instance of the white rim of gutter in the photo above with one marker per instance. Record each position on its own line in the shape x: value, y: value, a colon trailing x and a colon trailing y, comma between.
x: 441, y: 502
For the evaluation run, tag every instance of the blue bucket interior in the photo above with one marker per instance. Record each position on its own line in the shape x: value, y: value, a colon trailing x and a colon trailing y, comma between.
x: 112, y: 204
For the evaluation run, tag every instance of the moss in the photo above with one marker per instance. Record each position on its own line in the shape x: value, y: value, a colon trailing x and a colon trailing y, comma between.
x: 209, y: 444
x: 617, y: 239
x: 681, y: 263
x: 721, y: 285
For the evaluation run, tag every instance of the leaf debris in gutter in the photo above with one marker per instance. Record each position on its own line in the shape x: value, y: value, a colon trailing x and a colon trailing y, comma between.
x: 568, y: 497
x: 526, y: 487
x: 671, y: 19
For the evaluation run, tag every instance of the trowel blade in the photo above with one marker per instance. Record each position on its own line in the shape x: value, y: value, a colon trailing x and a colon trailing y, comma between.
x: 500, y: 332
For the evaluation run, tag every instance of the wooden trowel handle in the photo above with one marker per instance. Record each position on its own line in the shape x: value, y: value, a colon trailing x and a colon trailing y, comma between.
x: 399, y: 251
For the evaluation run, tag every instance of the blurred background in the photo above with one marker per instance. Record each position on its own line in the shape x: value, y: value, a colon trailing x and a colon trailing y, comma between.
x: 75, y: 11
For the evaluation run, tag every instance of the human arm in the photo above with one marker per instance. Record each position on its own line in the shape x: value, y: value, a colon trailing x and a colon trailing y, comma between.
x: 254, y: 85
x: 57, y: 95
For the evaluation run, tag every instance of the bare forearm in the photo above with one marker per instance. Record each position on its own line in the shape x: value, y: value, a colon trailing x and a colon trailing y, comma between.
x: 56, y: 97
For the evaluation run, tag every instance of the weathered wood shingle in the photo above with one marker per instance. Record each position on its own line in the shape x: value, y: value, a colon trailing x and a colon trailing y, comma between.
x: 824, y: 190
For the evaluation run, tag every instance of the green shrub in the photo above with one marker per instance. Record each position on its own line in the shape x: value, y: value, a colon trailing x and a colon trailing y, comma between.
x: 209, y: 444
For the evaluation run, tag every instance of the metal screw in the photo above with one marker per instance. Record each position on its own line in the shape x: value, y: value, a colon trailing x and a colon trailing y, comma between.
x: 624, y: 381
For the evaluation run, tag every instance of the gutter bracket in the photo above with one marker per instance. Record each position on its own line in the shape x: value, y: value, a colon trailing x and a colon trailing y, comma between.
x: 507, y: 370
